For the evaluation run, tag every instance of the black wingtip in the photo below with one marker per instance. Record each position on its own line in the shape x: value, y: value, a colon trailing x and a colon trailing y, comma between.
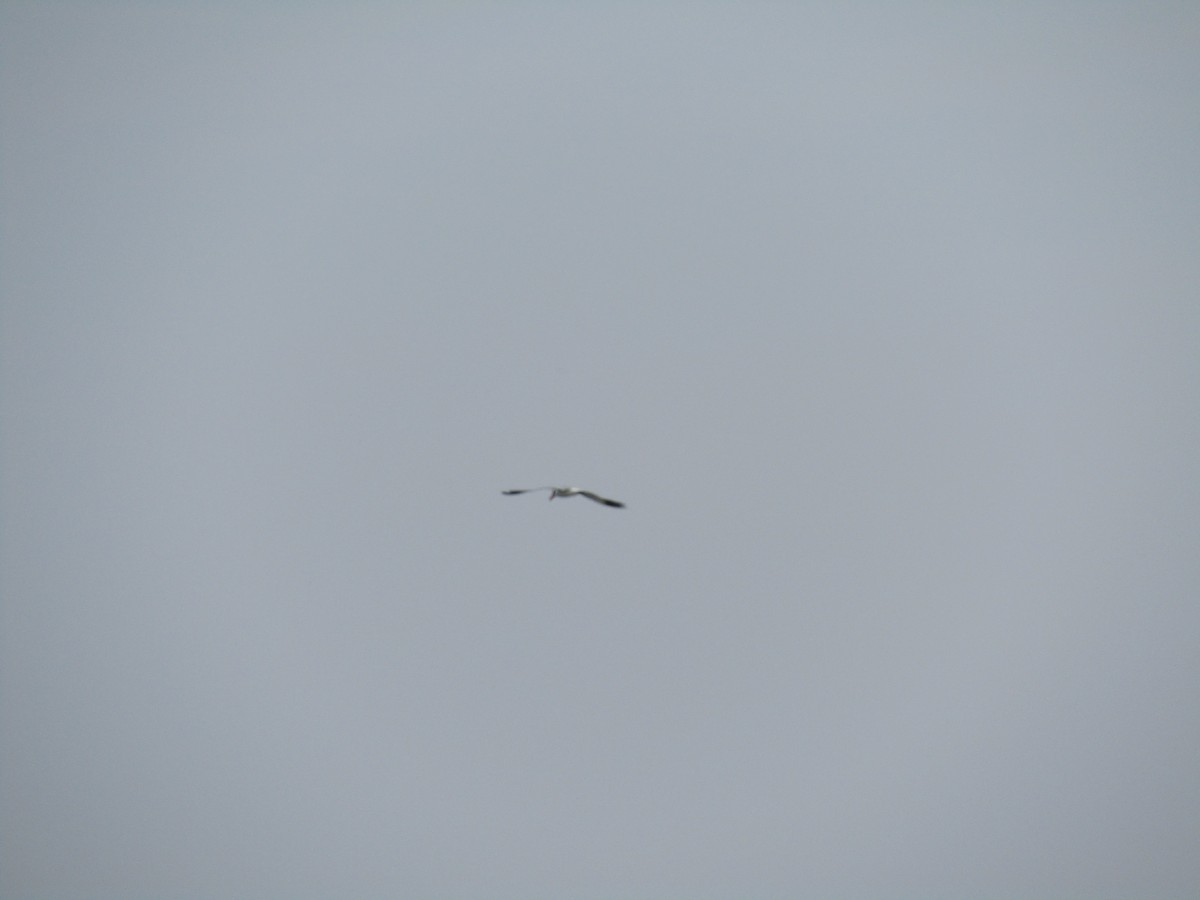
x: 615, y: 503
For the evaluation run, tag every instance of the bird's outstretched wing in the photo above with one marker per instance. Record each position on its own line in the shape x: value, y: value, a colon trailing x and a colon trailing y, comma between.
x: 525, y: 490
x: 603, y: 500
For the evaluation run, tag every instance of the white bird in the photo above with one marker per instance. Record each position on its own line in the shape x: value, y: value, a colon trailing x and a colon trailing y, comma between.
x: 570, y: 492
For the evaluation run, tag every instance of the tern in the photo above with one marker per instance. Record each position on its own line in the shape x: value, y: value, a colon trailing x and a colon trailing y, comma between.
x: 570, y: 492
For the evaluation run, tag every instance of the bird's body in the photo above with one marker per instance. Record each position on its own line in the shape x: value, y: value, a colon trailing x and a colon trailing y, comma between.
x: 570, y: 492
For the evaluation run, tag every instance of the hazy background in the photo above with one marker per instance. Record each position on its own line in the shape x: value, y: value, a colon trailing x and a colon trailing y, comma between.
x: 883, y: 320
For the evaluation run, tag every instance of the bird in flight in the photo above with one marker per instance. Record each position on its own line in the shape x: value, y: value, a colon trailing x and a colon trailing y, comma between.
x: 570, y: 492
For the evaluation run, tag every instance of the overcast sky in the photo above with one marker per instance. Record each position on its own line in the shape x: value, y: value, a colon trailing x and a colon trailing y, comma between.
x: 883, y: 319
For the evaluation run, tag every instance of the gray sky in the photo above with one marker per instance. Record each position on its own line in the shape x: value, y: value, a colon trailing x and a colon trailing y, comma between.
x: 883, y: 321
